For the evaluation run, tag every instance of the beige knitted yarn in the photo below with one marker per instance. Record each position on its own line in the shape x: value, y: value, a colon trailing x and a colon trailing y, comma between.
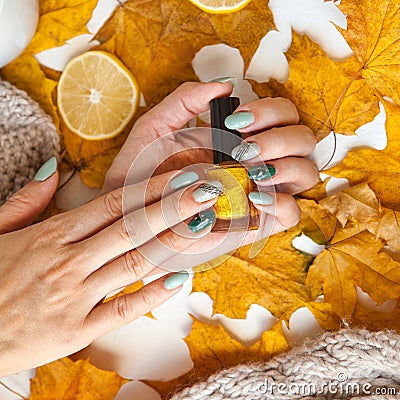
x: 350, y: 364
x: 28, y: 138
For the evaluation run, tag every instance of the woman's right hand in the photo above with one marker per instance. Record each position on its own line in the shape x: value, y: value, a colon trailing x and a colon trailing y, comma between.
x: 55, y: 274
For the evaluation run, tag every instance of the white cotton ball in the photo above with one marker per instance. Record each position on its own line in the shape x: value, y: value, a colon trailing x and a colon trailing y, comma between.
x: 18, y: 22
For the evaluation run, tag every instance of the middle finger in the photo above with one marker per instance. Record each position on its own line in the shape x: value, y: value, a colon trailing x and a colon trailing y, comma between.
x: 294, y: 140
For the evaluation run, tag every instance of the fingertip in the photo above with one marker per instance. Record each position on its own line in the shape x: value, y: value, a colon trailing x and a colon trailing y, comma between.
x: 176, y: 280
x: 220, y: 89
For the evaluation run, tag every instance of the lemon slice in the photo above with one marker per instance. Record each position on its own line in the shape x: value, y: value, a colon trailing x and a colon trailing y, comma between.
x: 97, y: 95
x: 220, y: 6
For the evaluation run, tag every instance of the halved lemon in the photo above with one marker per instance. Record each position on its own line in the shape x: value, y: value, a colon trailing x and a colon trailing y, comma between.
x: 97, y: 95
x: 220, y: 6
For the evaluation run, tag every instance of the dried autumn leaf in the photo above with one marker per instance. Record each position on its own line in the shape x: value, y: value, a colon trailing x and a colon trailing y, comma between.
x: 317, y: 192
x: 92, y: 159
x: 274, y: 279
x: 330, y: 96
x: 373, y: 34
x: 352, y: 257
x: 68, y: 380
x: 380, y: 168
x: 358, y: 204
x: 157, y: 40
x: 387, y: 228
x: 377, y: 320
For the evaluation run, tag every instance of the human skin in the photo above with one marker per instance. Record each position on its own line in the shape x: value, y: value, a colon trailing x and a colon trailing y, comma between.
x: 55, y: 274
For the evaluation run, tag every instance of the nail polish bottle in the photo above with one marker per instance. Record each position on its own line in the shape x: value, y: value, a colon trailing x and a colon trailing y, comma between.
x: 234, y: 210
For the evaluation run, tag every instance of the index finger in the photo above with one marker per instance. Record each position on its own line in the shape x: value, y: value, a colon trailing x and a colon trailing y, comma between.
x: 141, y: 226
x: 105, y: 210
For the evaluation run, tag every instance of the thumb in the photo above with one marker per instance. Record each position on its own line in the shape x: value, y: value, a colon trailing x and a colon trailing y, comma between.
x: 22, y: 208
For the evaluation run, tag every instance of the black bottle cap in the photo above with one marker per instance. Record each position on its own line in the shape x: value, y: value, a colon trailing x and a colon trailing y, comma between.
x: 223, y: 143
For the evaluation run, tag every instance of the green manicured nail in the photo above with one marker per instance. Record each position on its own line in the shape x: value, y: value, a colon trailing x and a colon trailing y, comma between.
x: 261, y: 173
x: 260, y: 198
x: 239, y: 120
x: 176, y: 280
x: 46, y: 170
x: 183, y: 180
x: 202, y: 221
x: 226, y: 79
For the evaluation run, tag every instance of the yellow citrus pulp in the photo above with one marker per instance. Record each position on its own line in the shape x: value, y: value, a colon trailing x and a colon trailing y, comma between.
x: 220, y: 6
x: 97, y: 95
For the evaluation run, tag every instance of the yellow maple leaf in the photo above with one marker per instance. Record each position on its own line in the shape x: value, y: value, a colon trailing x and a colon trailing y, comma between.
x: 352, y: 257
x: 275, y: 279
x: 377, y: 320
x: 330, y: 96
x: 69, y: 380
x: 157, y: 40
x: 358, y: 204
x: 380, y: 168
x: 373, y: 34
x: 387, y: 228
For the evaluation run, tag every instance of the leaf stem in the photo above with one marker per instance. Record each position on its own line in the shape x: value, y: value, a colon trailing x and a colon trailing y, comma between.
x: 335, y: 106
x: 12, y: 391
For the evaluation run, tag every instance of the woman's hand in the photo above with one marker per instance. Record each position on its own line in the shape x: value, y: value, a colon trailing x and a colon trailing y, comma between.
x: 55, y: 274
x: 270, y: 125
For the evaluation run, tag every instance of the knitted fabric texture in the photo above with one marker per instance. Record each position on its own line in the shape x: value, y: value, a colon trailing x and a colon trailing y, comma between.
x: 28, y: 139
x: 357, y: 363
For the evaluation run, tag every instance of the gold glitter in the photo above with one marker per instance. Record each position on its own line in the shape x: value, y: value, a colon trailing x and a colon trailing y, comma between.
x: 234, y: 204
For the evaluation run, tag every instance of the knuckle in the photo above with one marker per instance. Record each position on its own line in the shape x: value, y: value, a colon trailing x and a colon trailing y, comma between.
x: 281, y: 145
x: 134, y: 266
x: 21, y: 200
x: 173, y: 241
x: 176, y: 206
x: 126, y: 236
x: 49, y: 231
x: 314, y: 174
x: 147, y: 298
x: 309, y: 137
x: 123, y: 308
x: 113, y: 204
x: 290, y: 109
x: 187, y: 86
x: 289, y: 210
x: 62, y: 271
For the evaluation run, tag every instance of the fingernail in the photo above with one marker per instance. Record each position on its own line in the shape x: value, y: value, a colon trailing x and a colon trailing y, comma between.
x: 207, y: 191
x: 46, y: 170
x: 261, y: 172
x: 176, y: 280
x: 202, y: 221
x: 239, y: 120
x: 246, y: 151
x: 260, y: 198
x: 183, y: 180
x: 226, y: 79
